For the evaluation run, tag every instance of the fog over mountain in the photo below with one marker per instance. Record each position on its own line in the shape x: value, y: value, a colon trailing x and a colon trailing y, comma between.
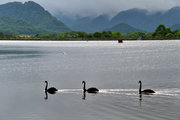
x: 98, y: 7
x: 93, y: 16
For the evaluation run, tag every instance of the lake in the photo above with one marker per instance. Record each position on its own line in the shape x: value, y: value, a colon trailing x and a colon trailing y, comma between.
x: 113, y: 68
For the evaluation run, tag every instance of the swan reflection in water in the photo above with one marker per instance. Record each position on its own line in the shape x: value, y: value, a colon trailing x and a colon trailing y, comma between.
x: 140, y: 99
x: 46, y: 94
x: 84, y: 96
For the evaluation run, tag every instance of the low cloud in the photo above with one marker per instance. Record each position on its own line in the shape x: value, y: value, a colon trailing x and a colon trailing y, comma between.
x: 97, y: 7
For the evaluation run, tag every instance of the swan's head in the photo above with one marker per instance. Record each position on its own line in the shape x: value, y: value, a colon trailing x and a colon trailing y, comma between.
x: 139, y: 82
x: 83, y: 82
x: 45, y: 81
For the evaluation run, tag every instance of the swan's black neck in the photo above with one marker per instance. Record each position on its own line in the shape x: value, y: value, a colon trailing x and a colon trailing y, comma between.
x: 140, y: 88
x: 84, y: 87
x: 46, y: 86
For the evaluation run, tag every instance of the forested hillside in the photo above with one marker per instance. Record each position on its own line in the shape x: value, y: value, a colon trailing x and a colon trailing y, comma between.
x: 32, y: 13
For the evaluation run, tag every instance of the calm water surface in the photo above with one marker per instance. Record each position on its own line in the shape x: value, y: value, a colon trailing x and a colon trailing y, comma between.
x: 114, y: 68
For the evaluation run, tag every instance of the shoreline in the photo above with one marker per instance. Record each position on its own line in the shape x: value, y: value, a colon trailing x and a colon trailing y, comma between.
x: 5, y: 42
x: 78, y: 40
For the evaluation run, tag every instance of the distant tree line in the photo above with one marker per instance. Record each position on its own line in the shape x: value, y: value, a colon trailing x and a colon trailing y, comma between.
x: 81, y: 35
x: 161, y: 32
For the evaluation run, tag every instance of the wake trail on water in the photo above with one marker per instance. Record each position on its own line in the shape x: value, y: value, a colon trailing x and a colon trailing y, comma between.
x: 169, y: 92
x: 128, y: 92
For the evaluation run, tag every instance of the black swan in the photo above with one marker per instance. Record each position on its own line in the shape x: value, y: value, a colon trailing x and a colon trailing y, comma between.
x: 50, y: 90
x: 146, y: 91
x: 90, y: 90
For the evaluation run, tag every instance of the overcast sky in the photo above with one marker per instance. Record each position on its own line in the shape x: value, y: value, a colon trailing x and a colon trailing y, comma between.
x: 96, y: 7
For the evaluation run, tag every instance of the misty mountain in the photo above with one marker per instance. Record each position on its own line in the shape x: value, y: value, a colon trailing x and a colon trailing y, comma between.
x: 34, y: 14
x: 144, y: 20
x: 88, y: 24
x: 123, y: 28
x: 132, y: 16
x: 171, y: 16
x: 37, y: 20
x: 102, y: 19
x: 69, y: 21
x: 137, y: 18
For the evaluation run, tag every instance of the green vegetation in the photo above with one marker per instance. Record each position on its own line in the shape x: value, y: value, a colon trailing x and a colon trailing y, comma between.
x: 161, y: 33
x: 17, y: 26
x: 28, y: 18
x: 81, y: 35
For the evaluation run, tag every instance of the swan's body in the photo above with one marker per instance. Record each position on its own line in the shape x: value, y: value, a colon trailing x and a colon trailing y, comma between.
x: 146, y: 91
x: 90, y: 90
x: 50, y: 90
